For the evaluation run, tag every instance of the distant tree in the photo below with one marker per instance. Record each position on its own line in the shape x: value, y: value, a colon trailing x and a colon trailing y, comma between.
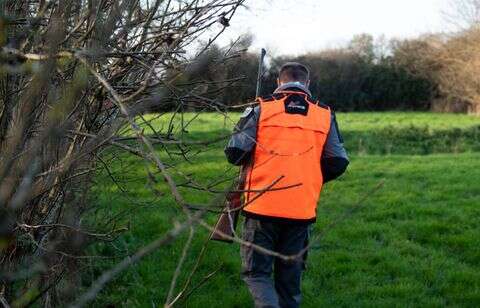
x: 460, y: 55
x: 363, y: 46
x: 459, y: 77
x: 463, y: 14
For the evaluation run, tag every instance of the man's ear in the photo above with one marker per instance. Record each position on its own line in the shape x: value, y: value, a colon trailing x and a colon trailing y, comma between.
x: 278, y: 82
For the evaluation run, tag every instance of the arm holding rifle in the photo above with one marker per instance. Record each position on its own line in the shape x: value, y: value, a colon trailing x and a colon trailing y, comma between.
x: 240, y: 146
x: 242, y: 143
x: 238, y: 152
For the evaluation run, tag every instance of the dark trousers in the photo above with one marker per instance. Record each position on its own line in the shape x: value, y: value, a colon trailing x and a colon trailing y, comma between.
x: 285, y: 238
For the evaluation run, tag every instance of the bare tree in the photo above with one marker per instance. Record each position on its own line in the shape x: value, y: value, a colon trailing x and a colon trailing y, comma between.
x: 73, y: 75
x: 459, y: 77
x: 463, y: 14
x: 451, y: 63
x: 459, y: 56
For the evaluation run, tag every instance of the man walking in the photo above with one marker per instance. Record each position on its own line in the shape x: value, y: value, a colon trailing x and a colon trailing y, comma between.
x: 290, y: 145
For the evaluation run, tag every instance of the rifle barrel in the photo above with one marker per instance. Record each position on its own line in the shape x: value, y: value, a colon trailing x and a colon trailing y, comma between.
x: 260, y: 73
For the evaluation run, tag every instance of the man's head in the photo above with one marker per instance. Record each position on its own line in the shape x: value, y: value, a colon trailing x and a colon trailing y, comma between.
x: 293, y: 72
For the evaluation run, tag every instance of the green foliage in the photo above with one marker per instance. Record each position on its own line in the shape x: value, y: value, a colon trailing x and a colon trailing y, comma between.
x: 351, y: 80
x: 413, y: 243
x: 354, y: 78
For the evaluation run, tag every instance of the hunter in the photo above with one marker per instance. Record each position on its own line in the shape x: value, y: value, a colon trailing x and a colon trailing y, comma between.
x: 290, y: 144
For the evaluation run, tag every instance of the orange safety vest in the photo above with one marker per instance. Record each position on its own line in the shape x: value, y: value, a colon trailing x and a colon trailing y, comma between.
x: 285, y: 177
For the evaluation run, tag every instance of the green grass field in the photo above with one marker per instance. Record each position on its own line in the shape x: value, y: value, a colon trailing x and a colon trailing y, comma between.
x: 414, y: 243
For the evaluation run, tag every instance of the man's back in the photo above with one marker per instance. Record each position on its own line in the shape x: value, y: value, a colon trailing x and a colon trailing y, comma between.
x: 291, y: 133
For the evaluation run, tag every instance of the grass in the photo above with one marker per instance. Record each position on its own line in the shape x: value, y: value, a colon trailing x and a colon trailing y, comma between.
x: 370, y: 121
x: 413, y: 243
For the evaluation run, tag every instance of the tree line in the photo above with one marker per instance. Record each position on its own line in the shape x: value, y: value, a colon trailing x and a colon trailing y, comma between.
x: 436, y: 72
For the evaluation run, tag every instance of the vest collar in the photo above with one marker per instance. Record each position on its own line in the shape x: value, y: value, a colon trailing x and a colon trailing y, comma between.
x: 293, y: 86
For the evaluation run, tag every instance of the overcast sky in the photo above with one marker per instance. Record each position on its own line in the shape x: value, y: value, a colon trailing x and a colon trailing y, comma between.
x: 288, y: 27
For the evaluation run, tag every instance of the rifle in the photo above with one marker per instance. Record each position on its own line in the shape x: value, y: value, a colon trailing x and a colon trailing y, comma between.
x: 227, y: 222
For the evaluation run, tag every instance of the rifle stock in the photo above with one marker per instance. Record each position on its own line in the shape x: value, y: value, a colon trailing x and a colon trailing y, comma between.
x: 227, y: 222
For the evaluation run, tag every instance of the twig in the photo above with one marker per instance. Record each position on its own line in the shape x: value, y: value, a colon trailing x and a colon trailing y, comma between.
x: 50, y: 226
x: 179, y: 267
x: 201, y: 283
x: 4, y: 302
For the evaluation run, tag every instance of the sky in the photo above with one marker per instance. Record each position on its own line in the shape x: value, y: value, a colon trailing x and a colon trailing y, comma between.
x: 288, y: 27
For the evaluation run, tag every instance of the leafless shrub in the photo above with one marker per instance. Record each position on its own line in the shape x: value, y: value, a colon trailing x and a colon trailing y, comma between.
x: 73, y: 74
x: 459, y: 77
x: 449, y: 61
x: 463, y: 14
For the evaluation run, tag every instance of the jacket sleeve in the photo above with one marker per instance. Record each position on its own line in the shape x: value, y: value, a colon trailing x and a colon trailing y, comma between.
x: 242, y: 142
x: 334, y: 159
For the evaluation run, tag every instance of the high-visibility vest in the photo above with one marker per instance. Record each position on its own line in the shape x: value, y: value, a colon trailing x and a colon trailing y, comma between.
x: 284, y: 179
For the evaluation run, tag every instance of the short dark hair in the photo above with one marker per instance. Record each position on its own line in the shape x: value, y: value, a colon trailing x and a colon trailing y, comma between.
x: 294, y: 71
